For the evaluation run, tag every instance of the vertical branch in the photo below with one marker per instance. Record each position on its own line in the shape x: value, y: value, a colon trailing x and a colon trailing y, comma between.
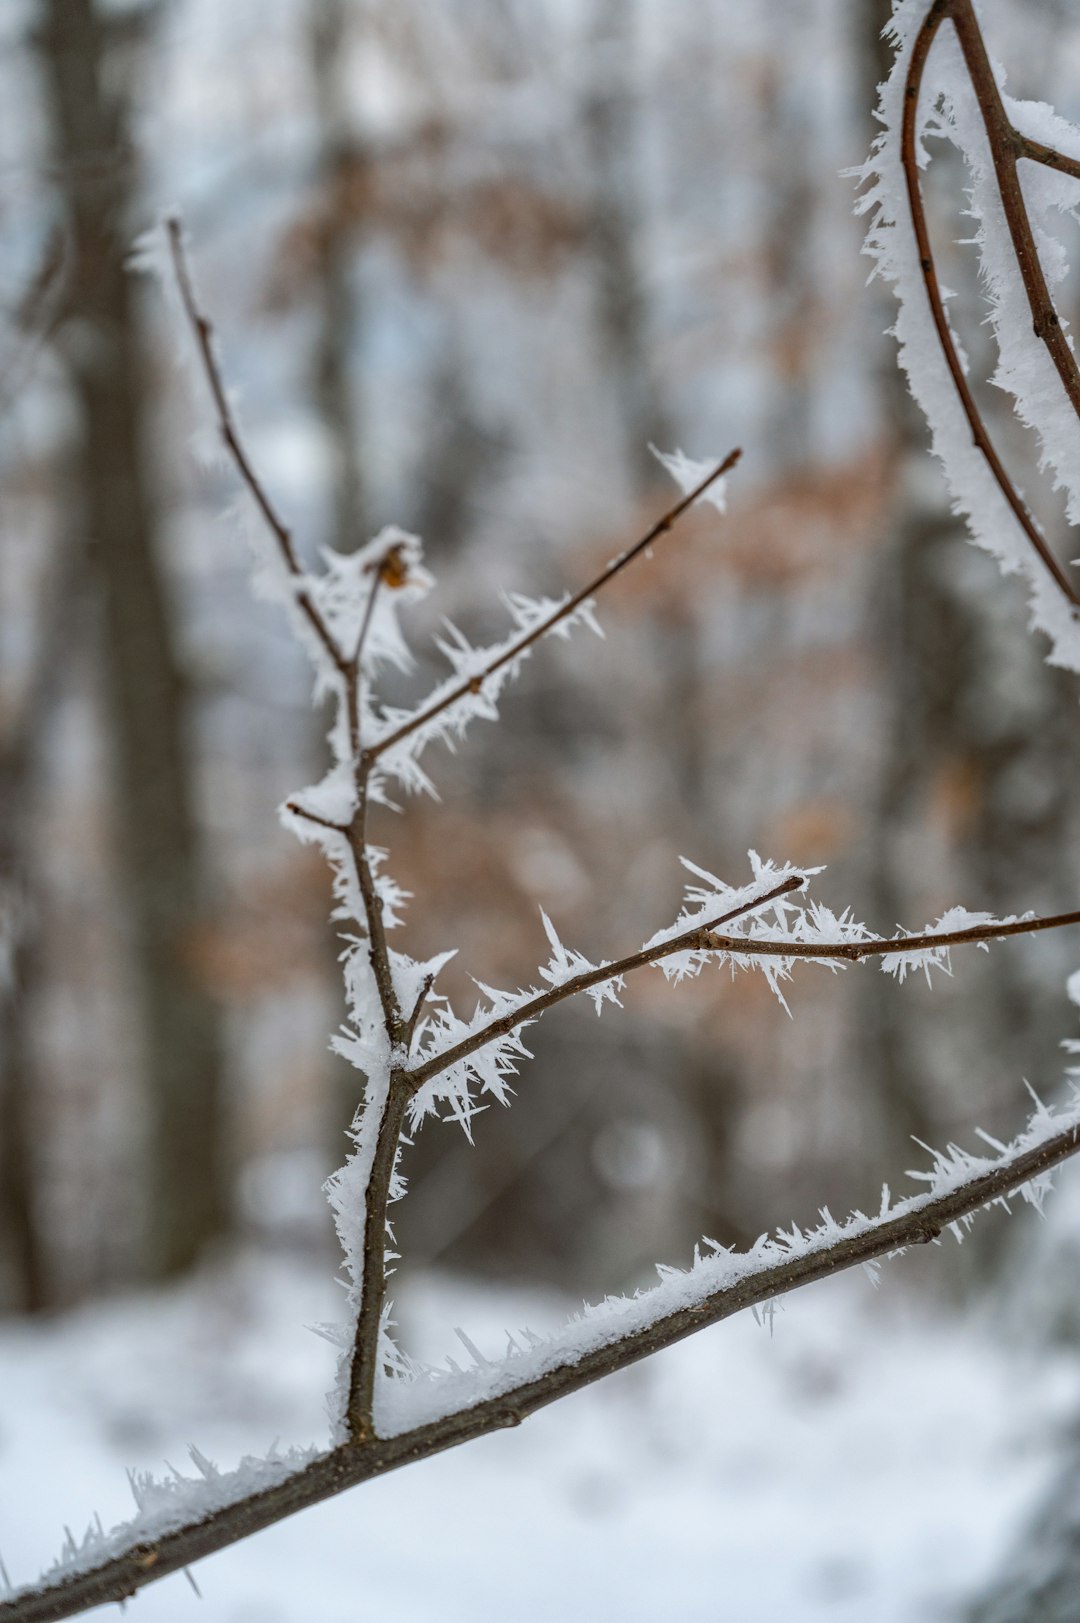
x: 364, y: 1366
x: 1005, y: 145
x: 388, y: 1133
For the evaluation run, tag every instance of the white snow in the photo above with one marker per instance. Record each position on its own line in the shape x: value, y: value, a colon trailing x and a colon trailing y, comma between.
x: 859, y: 1460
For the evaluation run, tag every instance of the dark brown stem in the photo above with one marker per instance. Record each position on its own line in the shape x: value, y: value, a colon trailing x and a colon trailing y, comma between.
x: 365, y: 1360
x: 475, y: 683
x: 203, y: 332
x: 411, y: 1023
x: 856, y: 951
x: 921, y: 1221
x: 697, y: 938
x: 365, y: 623
x: 1005, y: 144
x: 703, y: 938
x: 313, y: 817
x: 376, y: 929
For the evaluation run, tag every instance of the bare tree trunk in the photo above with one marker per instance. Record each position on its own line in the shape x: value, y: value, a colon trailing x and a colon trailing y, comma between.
x: 87, y: 60
x: 24, y: 1281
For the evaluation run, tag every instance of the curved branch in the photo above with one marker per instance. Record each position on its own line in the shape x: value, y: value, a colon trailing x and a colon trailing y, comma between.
x: 1027, y: 147
x: 1004, y: 143
x: 914, y: 1222
x: 883, y: 947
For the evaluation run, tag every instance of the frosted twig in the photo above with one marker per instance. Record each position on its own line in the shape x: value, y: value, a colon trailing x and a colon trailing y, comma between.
x: 203, y: 332
x: 313, y: 817
x: 704, y: 938
x: 698, y: 937
x: 1006, y: 146
x: 411, y: 1023
x: 475, y: 683
x: 877, y: 947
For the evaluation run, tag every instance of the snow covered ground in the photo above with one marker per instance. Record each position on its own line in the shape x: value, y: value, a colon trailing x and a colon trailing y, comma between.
x: 859, y: 1461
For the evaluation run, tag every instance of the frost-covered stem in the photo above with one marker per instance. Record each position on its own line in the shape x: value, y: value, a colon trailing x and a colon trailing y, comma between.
x: 364, y: 1367
x: 703, y: 938
x: 1006, y: 145
x: 378, y: 951
x: 203, y: 332
x: 474, y: 683
x: 365, y: 623
x: 355, y: 1461
x: 313, y: 817
x: 697, y: 939
x: 855, y: 951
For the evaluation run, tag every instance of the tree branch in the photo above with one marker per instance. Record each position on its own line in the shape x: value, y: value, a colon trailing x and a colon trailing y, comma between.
x: 1005, y: 145
x: 474, y: 683
x: 856, y: 951
x: 203, y: 331
x: 703, y: 938
x: 918, y: 1221
x: 1038, y: 153
x: 364, y: 1367
x: 698, y: 937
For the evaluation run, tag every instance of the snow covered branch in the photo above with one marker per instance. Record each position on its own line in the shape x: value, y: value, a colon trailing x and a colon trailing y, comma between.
x: 181, y: 1520
x: 948, y: 88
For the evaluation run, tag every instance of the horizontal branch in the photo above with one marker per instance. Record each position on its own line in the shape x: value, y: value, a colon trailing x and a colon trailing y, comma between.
x: 698, y: 937
x: 877, y: 947
x: 473, y: 684
x: 921, y: 1220
x: 703, y: 938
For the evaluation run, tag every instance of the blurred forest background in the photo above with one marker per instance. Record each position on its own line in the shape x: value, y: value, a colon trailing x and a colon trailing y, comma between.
x: 466, y: 261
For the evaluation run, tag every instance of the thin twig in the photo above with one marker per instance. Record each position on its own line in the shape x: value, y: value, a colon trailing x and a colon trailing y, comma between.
x: 1027, y: 147
x: 698, y: 937
x: 474, y: 683
x: 203, y: 331
x: 365, y: 623
x: 703, y: 938
x: 921, y: 1221
x: 855, y: 951
x: 1004, y: 142
x: 313, y: 817
x: 411, y: 1023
